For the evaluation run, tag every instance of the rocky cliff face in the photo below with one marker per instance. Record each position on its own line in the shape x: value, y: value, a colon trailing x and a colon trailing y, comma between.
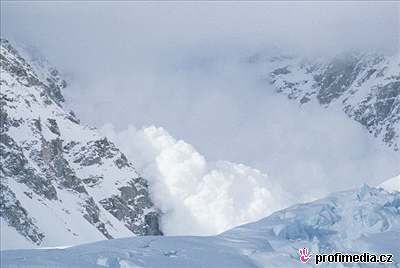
x: 61, y: 182
x: 366, y: 86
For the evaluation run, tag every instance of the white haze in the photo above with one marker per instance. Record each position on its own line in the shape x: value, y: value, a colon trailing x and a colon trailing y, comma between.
x: 182, y: 66
x: 226, y: 108
x: 197, y: 197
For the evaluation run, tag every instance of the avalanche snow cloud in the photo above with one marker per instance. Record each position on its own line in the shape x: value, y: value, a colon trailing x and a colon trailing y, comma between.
x: 184, y: 66
x: 197, y: 197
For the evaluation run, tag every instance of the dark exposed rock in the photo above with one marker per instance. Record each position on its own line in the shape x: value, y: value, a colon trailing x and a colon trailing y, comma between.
x: 16, y: 216
x: 92, y: 215
x: 72, y: 117
x: 53, y: 126
x: 130, y: 197
x: 14, y: 164
x: 55, y: 165
x: 95, y: 151
x: 92, y: 180
x: 17, y: 66
x: 337, y: 77
x: 305, y: 99
x: 121, y: 161
x: 367, y: 85
x: 55, y: 170
x: 38, y: 124
x: 283, y: 70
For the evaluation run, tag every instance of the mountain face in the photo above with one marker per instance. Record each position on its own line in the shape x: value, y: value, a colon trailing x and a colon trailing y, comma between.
x: 61, y: 182
x: 366, y: 86
x: 352, y: 222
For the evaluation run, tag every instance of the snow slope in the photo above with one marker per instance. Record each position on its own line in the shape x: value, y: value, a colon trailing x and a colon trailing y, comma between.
x: 365, y: 219
x: 365, y: 85
x: 391, y: 185
x: 65, y: 184
x: 61, y: 182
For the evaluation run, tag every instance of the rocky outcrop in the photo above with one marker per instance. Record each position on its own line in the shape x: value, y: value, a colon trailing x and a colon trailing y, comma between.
x: 57, y: 173
x: 365, y: 85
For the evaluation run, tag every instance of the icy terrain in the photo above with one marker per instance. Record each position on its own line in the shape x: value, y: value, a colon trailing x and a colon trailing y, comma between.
x: 392, y: 184
x: 356, y: 221
x: 65, y: 184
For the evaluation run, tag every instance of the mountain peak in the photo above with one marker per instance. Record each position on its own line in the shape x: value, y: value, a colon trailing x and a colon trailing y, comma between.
x: 32, y: 73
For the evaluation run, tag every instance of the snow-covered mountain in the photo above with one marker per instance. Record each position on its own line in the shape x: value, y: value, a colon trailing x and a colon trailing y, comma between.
x: 61, y: 182
x: 366, y: 86
x: 356, y: 221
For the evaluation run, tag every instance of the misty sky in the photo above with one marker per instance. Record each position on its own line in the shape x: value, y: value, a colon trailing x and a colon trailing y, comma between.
x: 179, y: 65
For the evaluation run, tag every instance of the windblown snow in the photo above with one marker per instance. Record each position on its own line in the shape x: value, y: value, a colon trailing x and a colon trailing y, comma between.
x: 210, y: 197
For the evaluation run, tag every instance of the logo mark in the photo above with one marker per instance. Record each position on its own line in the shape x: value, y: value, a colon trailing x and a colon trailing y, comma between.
x: 305, y: 255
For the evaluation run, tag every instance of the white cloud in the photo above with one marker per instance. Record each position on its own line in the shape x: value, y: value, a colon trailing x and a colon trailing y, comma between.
x: 197, y: 197
x: 180, y: 66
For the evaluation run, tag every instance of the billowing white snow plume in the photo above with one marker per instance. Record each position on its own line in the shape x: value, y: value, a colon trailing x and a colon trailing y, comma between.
x: 196, y: 196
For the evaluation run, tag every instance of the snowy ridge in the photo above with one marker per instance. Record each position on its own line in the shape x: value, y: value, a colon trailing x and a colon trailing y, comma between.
x: 366, y: 86
x: 62, y: 182
x: 365, y: 219
x: 392, y: 184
